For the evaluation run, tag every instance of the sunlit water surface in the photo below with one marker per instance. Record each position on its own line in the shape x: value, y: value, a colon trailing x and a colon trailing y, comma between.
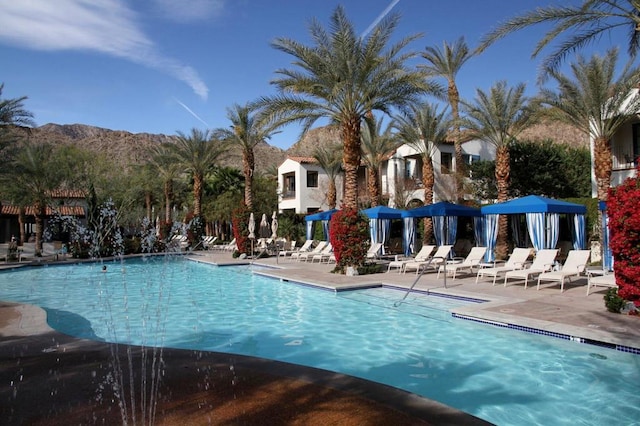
x: 503, y: 376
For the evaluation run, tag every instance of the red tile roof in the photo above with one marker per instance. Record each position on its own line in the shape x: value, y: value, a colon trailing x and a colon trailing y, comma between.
x: 30, y: 211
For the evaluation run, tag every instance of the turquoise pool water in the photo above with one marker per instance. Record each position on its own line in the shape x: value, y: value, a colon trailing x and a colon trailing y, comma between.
x: 503, y: 376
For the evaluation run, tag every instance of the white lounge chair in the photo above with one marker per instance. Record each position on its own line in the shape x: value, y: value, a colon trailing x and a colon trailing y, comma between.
x: 309, y: 255
x: 439, y: 258
x: 374, y: 251
x: 422, y: 255
x: 26, y: 252
x: 516, y: 260
x: 574, y: 266
x: 600, y: 280
x: 472, y: 260
x: 306, y: 247
x: 288, y: 248
x: 326, y: 252
x: 543, y: 262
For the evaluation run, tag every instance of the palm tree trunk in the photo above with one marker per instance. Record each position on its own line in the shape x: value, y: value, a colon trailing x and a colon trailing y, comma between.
x: 148, y: 204
x: 428, y: 179
x: 21, y: 216
x: 168, y: 198
x: 197, y: 194
x: 503, y: 170
x: 40, y: 215
x: 454, y: 101
x: 602, y: 166
x: 374, y: 186
x: 351, y: 160
x: 332, y: 194
x: 248, y: 166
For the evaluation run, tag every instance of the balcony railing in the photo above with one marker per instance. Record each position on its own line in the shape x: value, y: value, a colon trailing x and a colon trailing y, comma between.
x: 288, y: 195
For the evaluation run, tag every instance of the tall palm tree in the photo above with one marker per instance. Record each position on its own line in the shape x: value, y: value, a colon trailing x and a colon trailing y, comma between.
x: 423, y: 127
x: 169, y: 171
x: 581, y: 26
x: 447, y: 63
x: 342, y: 77
x: 498, y: 118
x: 594, y: 101
x: 247, y: 131
x: 12, y: 115
x: 329, y: 157
x: 376, y: 147
x: 34, y: 175
x: 197, y: 153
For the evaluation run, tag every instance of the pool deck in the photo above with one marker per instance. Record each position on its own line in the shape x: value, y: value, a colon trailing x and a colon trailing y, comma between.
x: 52, y: 377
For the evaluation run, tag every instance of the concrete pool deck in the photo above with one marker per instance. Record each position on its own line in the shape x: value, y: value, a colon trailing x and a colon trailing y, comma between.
x: 50, y: 378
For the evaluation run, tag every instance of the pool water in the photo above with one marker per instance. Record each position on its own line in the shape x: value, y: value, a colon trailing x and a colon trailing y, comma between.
x: 503, y: 376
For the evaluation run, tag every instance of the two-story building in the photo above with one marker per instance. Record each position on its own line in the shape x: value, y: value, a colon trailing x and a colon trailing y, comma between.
x: 302, y: 183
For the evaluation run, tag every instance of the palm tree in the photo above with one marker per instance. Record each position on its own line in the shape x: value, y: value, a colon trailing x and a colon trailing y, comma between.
x: 12, y: 115
x: 597, y: 103
x: 447, y: 63
x: 169, y: 171
x: 342, y: 77
x: 498, y: 118
x: 423, y: 127
x: 330, y: 159
x: 34, y: 175
x: 582, y: 25
x: 376, y: 147
x: 247, y: 131
x: 197, y: 154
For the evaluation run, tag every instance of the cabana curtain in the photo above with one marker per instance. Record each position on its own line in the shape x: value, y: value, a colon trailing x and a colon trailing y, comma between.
x: 409, y: 235
x: 490, y: 235
x: 309, y: 229
x: 543, y: 229
x: 578, y: 232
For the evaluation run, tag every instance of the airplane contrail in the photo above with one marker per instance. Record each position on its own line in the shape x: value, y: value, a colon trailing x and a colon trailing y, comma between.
x: 380, y: 17
x: 190, y: 111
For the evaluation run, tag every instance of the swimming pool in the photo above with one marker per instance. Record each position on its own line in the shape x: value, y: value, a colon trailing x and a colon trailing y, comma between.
x: 503, y: 376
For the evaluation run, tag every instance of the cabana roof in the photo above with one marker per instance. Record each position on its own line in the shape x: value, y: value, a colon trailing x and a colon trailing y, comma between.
x: 534, y: 204
x: 326, y: 215
x: 382, y: 212
x: 442, y: 208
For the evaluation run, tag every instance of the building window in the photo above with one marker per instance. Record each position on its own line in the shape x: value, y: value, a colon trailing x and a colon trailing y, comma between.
x: 312, y: 179
x: 289, y: 186
x: 446, y: 163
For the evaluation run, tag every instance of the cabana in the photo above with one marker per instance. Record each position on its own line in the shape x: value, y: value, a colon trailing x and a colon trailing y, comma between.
x: 607, y: 255
x: 543, y: 221
x: 445, y: 222
x: 380, y: 223
x: 325, y: 217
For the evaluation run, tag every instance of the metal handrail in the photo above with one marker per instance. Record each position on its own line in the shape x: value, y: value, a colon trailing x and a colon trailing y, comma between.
x: 444, y: 263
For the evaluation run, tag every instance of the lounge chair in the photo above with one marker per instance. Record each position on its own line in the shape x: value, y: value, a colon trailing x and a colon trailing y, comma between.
x: 324, y: 254
x: 208, y: 241
x: 374, y: 251
x: 543, y: 262
x: 309, y: 254
x: 26, y: 252
x: 600, y: 280
x: 439, y: 258
x: 306, y: 247
x: 574, y: 266
x: 288, y: 248
x: 472, y: 260
x: 230, y: 246
x: 422, y: 255
x: 516, y: 260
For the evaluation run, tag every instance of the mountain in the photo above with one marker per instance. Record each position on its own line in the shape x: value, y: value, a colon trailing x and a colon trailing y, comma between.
x: 126, y: 148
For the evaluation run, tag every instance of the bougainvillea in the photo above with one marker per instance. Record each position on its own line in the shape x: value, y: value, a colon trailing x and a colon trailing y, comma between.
x: 240, y: 221
x: 349, y: 236
x: 624, y: 226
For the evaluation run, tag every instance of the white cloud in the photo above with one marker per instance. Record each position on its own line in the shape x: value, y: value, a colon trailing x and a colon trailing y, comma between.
x: 190, y: 11
x: 106, y: 26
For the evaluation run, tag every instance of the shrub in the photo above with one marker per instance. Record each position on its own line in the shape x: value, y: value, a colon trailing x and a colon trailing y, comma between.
x: 240, y: 221
x: 349, y: 236
x: 624, y: 226
x: 613, y: 302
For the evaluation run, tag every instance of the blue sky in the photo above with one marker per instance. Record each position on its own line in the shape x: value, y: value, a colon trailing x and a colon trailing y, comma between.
x: 161, y: 66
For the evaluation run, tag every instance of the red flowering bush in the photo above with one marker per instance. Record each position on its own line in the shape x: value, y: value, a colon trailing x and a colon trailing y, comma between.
x: 349, y: 236
x: 624, y: 226
x: 240, y: 223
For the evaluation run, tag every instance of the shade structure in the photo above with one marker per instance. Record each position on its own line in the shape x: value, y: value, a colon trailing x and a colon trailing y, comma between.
x: 265, y: 227
x: 534, y: 204
x: 322, y: 216
x: 380, y: 223
x: 542, y: 217
x: 274, y: 225
x: 442, y: 208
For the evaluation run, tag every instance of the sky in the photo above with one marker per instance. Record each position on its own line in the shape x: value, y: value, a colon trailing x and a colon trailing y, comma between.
x: 163, y: 66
